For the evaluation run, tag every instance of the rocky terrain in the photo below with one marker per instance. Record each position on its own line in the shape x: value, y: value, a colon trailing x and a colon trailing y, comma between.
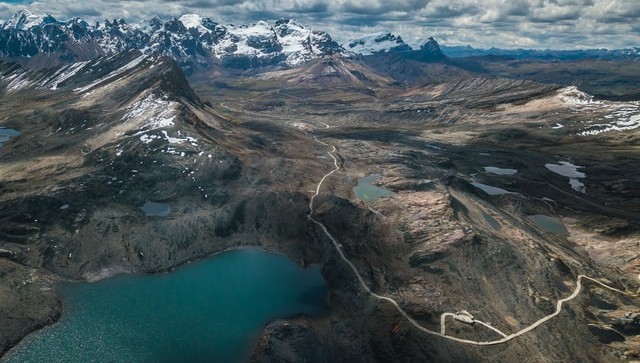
x: 443, y: 244
x: 504, y: 192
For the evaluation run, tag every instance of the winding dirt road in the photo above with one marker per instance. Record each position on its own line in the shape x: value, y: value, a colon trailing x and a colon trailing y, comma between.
x: 459, y: 316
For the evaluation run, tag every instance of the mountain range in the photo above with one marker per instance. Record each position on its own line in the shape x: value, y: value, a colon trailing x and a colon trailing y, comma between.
x: 38, y: 41
x: 542, y: 54
x: 42, y: 41
x: 196, y: 42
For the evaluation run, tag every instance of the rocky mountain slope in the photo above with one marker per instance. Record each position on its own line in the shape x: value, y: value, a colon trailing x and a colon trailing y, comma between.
x: 460, y: 232
x: 415, y: 67
x: 96, y: 141
x: 210, y: 50
x: 328, y: 73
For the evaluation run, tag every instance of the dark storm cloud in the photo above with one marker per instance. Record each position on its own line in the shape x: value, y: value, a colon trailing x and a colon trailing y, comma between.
x: 484, y: 23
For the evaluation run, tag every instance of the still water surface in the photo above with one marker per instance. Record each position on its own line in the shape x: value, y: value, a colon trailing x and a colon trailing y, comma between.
x: 209, y: 311
x: 367, y: 192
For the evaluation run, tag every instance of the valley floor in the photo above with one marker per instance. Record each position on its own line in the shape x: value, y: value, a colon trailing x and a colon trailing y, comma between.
x: 510, y: 206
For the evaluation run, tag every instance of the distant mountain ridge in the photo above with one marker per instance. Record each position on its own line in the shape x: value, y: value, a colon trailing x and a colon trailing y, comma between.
x: 385, y: 42
x: 542, y: 54
x: 381, y: 42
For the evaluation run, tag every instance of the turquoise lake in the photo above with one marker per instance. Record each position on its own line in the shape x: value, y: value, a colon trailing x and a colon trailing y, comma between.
x: 209, y: 311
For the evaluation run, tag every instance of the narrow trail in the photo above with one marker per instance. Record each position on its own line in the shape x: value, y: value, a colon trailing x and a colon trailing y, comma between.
x: 461, y: 316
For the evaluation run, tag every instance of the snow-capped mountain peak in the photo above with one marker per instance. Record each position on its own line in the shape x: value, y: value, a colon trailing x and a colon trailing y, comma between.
x: 151, y: 25
x: 25, y: 19
x: 261, y: 28
x: 303, y: 44
x: 191, y: 21
x: 285, y: 27
x: 381, y: 42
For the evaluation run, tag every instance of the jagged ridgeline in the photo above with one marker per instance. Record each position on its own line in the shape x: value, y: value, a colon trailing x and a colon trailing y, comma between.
x: 38, y: 41
x: 191, y: 40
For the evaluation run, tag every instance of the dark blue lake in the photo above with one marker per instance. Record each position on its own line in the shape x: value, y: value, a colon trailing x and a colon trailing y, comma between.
x: 209, y: 311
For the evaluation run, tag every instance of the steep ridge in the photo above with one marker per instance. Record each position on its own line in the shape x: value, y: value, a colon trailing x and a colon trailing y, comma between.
x: 95, y: 130
x: 327, y: 72
x: 472, y: 92
x: 96, y: 141
x: 413, y: 67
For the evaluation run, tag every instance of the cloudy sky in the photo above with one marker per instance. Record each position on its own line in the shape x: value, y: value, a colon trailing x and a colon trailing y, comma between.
x: 554, y: 24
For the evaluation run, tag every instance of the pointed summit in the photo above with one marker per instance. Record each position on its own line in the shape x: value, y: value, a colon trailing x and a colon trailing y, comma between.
x: 431, y: 46
x: 194, y: 21
x: 431, y: 50
x: 24, y: 20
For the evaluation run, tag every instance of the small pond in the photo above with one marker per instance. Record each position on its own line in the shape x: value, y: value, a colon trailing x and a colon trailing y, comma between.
x: 548, y: 224
x: 499, y: 171
x: 368, y: 192
x: 570, y: 171
x: 153, y: 209
x: 492, y: 221
x: 6, y: 134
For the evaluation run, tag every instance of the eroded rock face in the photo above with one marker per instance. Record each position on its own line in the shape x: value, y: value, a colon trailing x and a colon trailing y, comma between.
x: 295, y: 340
x: 27, y: 302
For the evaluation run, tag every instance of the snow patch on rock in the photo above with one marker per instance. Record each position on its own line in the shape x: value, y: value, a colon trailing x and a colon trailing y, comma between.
x: 610, y: 115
